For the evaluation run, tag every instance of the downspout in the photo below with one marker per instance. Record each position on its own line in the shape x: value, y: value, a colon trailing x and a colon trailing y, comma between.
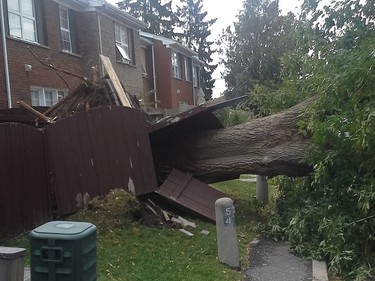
x: 154, y: 75
x: 100, y: 41
x: 192, y: 81
x: 5, y: 50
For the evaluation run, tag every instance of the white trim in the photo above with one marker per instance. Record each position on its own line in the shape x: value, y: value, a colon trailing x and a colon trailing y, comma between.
x: 39, y: 96
x: 65, y: 30
x: 23, y: 18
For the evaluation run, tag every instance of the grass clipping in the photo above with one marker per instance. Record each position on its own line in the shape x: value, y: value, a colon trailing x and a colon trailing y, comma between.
x: 118, y: 209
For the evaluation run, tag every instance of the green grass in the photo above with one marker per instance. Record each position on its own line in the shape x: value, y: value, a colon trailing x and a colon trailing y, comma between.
x: 133, y: 246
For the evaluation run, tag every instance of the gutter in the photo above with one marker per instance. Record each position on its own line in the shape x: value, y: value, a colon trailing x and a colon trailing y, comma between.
x: 154, y: 75
x: 5, y: 50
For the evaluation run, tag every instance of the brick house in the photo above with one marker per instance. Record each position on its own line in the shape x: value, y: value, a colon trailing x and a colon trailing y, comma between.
x: 171, y: 75
x: 70, y: 35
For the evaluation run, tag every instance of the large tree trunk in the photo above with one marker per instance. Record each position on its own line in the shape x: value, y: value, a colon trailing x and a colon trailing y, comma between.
x: 265, y: 146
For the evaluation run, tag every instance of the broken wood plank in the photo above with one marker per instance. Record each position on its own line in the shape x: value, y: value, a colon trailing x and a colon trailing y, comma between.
x: 188, y: 233
x: 151, y: 209
x: 185, y: 222
x: 41, y: 116
x: 166, y: 216
x: 115, y: 81
x: 176, y: 220
x: 205, y: 232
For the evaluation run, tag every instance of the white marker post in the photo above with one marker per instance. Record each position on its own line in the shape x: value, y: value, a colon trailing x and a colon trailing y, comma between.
x: 262, y: 189
x: 226, y: 232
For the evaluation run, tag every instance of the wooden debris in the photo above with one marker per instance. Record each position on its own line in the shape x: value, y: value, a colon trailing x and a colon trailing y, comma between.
x: 166, y: 216
x: 186, y: 232
x: 205, y: 232
x: 116, y: 81
x: 151, y: 202
x: 41, y: 116
x: 186, y: 223
x: 173, y: 219
x: 151, y: 209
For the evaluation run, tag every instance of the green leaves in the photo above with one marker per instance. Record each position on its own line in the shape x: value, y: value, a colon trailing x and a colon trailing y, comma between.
x: 331, y: 213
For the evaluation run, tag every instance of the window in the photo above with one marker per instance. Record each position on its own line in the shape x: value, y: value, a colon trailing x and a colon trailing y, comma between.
x: 65, y: 34
x: 196, y: 76
x: 46, y: 97
x: 188, y: 69
x: 176, y: 65
x: 124, y: 44
x: 144, y: 61
x: 22, y: 19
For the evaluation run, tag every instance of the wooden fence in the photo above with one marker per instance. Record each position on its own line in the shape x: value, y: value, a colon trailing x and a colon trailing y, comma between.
x: 46, y: 171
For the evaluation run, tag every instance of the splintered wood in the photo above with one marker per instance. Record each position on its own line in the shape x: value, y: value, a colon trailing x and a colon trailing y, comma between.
x: 116, y: 81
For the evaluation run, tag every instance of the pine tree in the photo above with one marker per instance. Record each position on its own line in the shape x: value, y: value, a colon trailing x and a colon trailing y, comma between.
x: 196, y: 30
x: 159, y: 17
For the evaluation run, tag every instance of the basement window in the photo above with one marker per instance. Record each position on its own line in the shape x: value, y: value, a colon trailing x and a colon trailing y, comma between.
x: 46, y: 96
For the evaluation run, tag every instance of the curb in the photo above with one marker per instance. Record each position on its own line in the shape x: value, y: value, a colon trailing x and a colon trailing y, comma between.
x: 319, y: 270
x: 27, y: 274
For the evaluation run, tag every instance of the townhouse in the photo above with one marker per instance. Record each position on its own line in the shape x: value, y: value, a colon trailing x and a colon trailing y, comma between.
x: 68, y: 35
x: 171, y: 74
x: 41, y: 37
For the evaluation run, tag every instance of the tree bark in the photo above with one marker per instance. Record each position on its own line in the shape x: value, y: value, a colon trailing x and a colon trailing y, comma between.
x: 266, y: 146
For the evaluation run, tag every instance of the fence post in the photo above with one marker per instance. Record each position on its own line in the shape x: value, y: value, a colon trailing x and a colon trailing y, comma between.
x: 226, y: 232
x: 262, y: 189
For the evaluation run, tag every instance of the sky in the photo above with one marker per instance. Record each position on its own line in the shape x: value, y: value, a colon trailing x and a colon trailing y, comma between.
x: 226, y: 11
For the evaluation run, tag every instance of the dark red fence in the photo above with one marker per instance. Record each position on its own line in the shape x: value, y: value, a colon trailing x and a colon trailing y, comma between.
x: 24, y: 196
x: 89, y: 153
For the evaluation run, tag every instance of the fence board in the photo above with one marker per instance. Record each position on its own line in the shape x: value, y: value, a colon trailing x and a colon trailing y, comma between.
x: 91, y: 152
x: 108, y: 137
x: 24, y: 201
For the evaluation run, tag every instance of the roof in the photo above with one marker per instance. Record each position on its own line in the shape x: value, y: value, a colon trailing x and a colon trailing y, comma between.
x: 174, y: 45
x: 118, y: 14
x: 110, y: 10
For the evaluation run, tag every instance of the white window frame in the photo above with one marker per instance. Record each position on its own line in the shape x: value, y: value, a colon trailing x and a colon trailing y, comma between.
x: 122, y: 43
x: 46, y: 96
x: 24, y: 19
x: 188, y: 69
x: 144, y: 61
x: 176, y: 65
x: 66, y: 43
x: 195, y: 76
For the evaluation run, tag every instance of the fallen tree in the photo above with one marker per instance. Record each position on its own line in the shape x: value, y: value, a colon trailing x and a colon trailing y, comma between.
x: 266, y: 146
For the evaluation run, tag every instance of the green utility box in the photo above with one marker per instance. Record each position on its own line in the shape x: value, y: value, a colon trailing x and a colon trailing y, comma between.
x: 63, y: 251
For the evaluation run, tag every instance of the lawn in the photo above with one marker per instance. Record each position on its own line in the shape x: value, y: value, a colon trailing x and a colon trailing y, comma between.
x: 134, y: 245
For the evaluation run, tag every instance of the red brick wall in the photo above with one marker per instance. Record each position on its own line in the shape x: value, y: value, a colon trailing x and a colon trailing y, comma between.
x: 170, y: 91
x: 130, y: 75
x: 41, y: 76
x: 87, y: 36
x: 163, y: 70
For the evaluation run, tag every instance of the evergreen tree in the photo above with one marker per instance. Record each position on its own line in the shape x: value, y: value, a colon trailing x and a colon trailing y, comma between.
x: 254, y: 46
x: 159, y: 17
x: 196, y: 30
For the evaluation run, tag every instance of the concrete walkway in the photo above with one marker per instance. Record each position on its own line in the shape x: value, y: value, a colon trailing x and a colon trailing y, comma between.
x: 272, y: 261
x: 27, y: 274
